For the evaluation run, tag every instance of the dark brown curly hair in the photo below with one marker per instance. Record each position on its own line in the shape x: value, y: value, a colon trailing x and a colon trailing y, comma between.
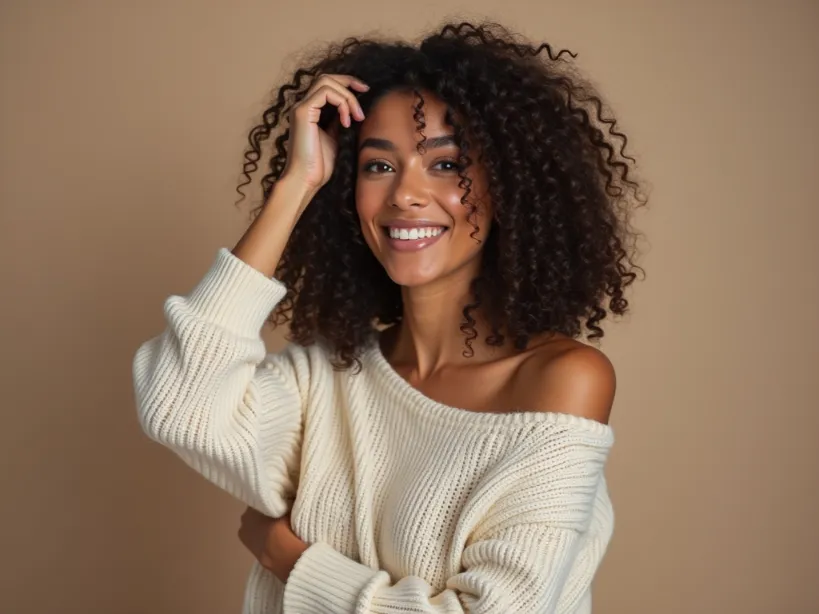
x: 560, y: 251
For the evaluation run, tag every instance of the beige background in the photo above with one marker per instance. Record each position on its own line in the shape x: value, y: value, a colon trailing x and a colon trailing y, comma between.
x: 122, y: 127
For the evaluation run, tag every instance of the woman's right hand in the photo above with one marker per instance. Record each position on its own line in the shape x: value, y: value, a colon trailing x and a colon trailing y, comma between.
x: 312, y: 151
x: 311, y: 155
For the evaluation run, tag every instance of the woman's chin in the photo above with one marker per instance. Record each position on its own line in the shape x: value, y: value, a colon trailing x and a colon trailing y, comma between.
x: 411, y: 277
x: 430, y: 273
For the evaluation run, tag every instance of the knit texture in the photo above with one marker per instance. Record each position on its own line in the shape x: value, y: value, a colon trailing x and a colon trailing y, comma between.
x: 408, y: 505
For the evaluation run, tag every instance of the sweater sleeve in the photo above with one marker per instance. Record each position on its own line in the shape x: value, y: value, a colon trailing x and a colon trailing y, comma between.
x: 531, y: 551
x: 206, y: 389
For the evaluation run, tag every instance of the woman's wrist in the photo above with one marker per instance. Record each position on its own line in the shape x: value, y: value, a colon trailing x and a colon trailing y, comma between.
x: 285, y: 550
x: 291, y: 191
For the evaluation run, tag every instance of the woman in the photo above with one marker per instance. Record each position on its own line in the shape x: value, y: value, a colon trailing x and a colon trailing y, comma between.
x: 439, y: 223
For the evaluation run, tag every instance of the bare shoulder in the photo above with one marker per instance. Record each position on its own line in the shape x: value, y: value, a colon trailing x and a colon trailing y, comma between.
x: 567, y: 376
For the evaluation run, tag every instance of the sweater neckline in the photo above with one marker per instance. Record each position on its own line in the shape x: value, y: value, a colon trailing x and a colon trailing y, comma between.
x: 465, y: 417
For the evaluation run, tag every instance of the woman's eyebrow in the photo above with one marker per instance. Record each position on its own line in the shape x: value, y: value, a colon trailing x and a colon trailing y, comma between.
x: 386, y: 145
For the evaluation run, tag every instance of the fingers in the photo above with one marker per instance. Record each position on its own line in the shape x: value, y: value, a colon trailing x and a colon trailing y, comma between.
x: 342, y: 80
x: 334, y: 89
x: 347, y: 109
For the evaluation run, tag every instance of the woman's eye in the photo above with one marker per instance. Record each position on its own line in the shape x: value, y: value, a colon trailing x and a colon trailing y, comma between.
x: 369, y: 168
x: 453, y: 166
x: 376, y: 167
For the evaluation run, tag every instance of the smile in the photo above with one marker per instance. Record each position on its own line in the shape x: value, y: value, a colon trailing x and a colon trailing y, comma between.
x: 413, y: 239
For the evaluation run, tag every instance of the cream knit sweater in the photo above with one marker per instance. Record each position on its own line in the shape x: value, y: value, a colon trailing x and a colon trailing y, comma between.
x: 409, y: 505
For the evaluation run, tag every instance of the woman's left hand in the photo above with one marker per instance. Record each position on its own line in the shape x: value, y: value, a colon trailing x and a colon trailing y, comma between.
x: 271, y: 541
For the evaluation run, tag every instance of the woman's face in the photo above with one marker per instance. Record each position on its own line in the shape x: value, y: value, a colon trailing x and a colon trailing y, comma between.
x: 410, y: 203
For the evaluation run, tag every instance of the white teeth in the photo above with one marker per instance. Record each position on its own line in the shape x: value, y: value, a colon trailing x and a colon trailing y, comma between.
x: 413, y: 234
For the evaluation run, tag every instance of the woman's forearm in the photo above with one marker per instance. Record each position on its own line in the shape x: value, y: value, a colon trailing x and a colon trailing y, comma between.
x: 263, y: 243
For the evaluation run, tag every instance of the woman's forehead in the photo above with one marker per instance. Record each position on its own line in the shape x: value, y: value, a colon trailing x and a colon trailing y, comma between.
x: 398, y: 113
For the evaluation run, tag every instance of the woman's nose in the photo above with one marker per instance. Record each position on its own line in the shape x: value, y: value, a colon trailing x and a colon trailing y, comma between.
x: 410, y: 189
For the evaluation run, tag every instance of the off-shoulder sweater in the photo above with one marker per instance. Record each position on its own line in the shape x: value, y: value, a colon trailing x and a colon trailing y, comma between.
x: 408, y: 505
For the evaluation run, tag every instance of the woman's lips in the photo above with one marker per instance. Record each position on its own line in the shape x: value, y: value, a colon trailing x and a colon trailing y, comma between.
x: 412, y: 245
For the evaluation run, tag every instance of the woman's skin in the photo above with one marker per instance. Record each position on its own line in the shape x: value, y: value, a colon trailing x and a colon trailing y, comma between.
x: 272, y: 542
x: 398, y: 186
x: 395, y: 183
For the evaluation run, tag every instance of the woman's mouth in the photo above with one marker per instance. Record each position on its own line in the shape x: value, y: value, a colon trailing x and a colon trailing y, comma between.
x: 414, y: 238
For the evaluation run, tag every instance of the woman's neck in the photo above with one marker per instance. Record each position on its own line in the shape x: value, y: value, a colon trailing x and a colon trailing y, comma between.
x: 429, y: 336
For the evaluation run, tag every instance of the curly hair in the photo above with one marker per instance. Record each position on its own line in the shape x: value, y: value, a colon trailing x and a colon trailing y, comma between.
x: 560, y: 251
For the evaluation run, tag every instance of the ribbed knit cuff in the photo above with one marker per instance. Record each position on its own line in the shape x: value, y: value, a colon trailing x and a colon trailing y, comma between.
x: 325, y: 581
x: 235, y: 296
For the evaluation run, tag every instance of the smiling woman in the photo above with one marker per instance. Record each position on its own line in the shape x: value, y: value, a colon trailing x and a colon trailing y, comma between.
x: 440, y: 223
x: 510, y: 142
x: 409, y: 203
